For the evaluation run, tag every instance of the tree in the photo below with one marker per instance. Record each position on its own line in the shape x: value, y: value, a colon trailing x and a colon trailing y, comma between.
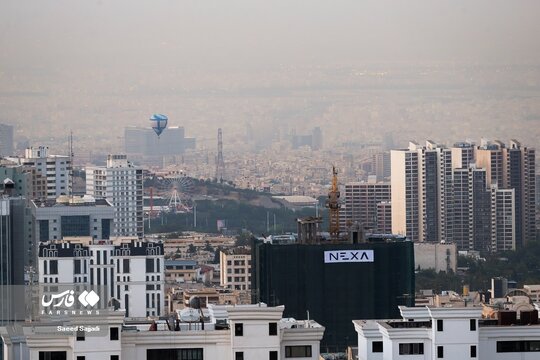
x: 208, y: 247
x: 244, y: 239
x: 191, y: 249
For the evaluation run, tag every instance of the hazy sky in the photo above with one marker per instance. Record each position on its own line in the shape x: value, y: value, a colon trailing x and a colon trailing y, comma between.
x: 203, y: 34
x: 226, y: 63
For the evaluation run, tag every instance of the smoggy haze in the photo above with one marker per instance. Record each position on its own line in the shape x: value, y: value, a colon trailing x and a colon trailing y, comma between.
x: 369, y: 65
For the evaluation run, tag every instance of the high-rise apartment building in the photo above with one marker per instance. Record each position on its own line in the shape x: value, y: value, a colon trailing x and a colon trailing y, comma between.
x: 443, y: 194
x: 405, y: 192
x: 6, y: 140
x: 513, y: 167
x: 121, y: 183
x: 361, y: 205
x: 422, y: 192
x: 471, y: 215
x: 54, y: 169
x: 384, y: 217
x: 462, y: 155
x: 382, y: 165
x: 503, y: 219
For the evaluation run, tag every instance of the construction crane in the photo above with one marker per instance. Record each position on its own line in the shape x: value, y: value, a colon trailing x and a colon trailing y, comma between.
x: 333, y: 205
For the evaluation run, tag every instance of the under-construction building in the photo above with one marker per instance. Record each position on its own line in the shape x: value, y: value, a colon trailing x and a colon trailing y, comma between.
x: 335, y: 283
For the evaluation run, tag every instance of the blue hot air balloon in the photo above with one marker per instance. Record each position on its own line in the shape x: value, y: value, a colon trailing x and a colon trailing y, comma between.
x: 159, y: 123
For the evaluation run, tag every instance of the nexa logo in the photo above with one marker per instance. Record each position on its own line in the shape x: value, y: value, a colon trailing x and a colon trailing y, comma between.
x: 339, y: 256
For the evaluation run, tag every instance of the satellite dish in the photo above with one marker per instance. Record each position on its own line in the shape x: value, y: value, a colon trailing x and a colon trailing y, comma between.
x: 159, y: 123
x: 195, y: 302
x: 190, y: 315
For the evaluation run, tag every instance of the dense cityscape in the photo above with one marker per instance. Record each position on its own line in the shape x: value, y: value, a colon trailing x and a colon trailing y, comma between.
x: 269, y: 181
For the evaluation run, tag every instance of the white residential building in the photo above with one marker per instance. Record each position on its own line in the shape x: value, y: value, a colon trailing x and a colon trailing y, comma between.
x: 229, y: 333
x: 121, y: 183
x: 448, y: 333
x: 55, y: 168
x: 129, y: 270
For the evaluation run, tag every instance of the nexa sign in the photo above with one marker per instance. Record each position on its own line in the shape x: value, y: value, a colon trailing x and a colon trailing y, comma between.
x: 341, y: 256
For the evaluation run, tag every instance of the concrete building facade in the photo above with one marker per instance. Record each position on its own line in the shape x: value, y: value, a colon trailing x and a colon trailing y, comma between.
x: 361, y: 205
x: 6, y: 140
x: 235, y: 269
x: 55, y: 169
x: 72, y: 216
x: 121, y: 183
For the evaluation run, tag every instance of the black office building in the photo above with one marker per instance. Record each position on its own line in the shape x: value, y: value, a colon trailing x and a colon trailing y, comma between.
x: 335, y: 283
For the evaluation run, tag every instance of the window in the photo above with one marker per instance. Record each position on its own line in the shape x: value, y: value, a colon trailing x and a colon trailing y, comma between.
x: 80, y: 335
x: 81, y: 357
x: 174, y: 354
x: 272, y: 355
x: 439, y: 325
x: 298, y: 351
x: 239, y: 355
x: 518, y: 346
x: 272, y: 329
x: 440, y: 352
x: 473, y: 351
x: 377, y: 347
x: 53, y: 267
x: 53, y: 355
x: 78, y: 225
x: 113, y: 333
x: 473, y: 325
x: 126, y: 266
x: 77, y: 266
x: 149, y: 265
x: 411, y: 349
x: 115, y: 357
x: 239, y: 329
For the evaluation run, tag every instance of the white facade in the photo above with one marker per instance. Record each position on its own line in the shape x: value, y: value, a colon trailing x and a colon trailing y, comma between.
x: 244, y: 332
x: 55, y: 168
x: 445, y: 333
x: 130, y: 271
x: 121, y: 183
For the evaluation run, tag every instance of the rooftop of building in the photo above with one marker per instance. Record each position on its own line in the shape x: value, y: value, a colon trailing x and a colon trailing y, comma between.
x: 241, y: 250
x: 180, y: 262
x: 297, y: 199
x: 65, y: 200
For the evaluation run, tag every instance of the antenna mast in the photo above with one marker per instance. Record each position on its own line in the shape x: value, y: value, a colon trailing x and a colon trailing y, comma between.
x: 220, y: 164
x: 70, y: 191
